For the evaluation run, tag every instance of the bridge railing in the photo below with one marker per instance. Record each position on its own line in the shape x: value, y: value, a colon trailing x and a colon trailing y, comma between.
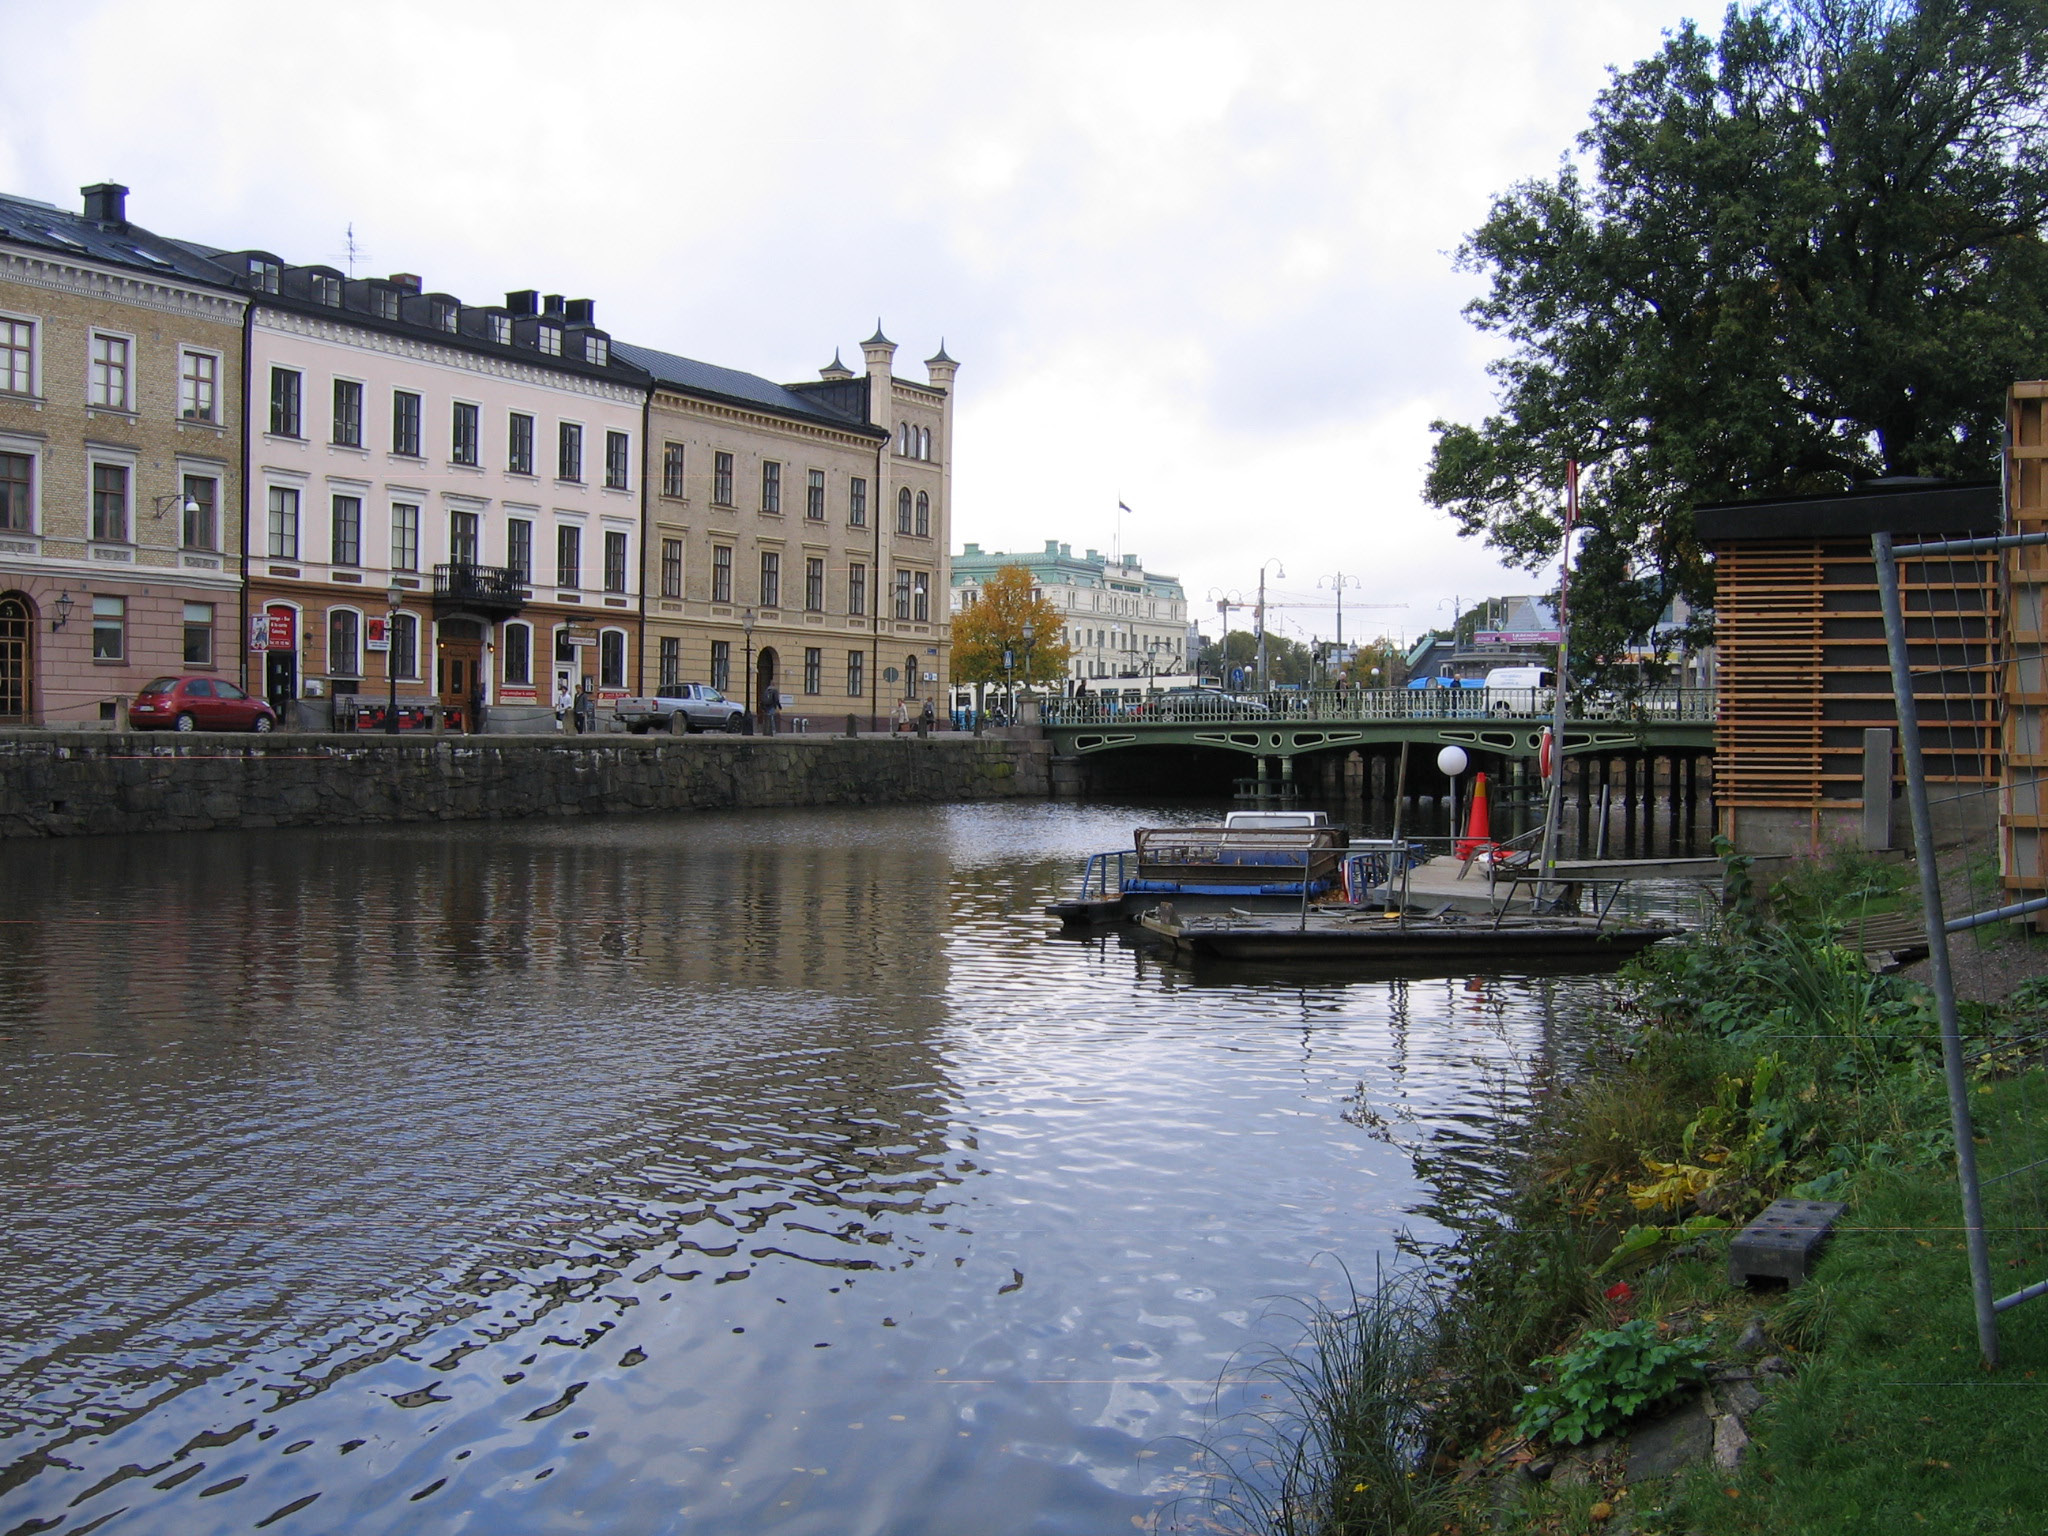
x: 1654, y: 706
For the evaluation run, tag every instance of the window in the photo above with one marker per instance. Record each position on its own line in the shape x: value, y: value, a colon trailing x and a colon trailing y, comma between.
x: 814, y: 585
x: 771, y: 486
x: 465, y: 538
x: 924, y: 443
x: 17, y: 492
x: 348, y: 413
x: 264, y: 275
x: 721, y: 573
x: 405, y: 539
x: 569, y: 452
x: 568, y: 557
x: 198, y: 386
x: 671, y: 567
x: 771, y: 579
x: 672, y: 469
x: 814, y: 496
x: 405, y: 423
x: 110, y: 503
x: 721, y: 479
x: 611, y: 659
x: 549, y: 339
x: 614, y: 561
x: 344, y: 650
x: 284, y: 402
x: 618, y: 450
x: 501, y: 330
x: 519, y: 445
x: 109, y: 628
x: 348, y: 530
x: 18, y: 356
x: 671, y: 664
x: 519, y: 548
x: 857, y: 589
x: 284, y: 523
x: 856, y: 673
x: 200, y: 514
x: 107, y: 381
x: 565, y: 653
x: 903, y: 594
x: 468, y: 427
x: 903, y: 510
x: 814, y: 669
x: 910, y: 677
x: 921, y: 598
x: 404, y: 656
x: 857, y: 504
x: 519, y: 654
x: 384, y: 303
x: 903, y: 438
x: 327, y: 290
x: 924, y: 515
x: 721, y: 665
x: 199, y: 634
x: 444, y: 316
x: 596, y: 349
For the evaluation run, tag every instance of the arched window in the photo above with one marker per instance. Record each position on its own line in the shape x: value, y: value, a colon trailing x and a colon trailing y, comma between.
x: 344, y: 642
x: 903, y: 510
x: 910, y: 677
x: 924, y: 443
x: 924, y: 515
x: 611, y: 658
x: 903, y: 438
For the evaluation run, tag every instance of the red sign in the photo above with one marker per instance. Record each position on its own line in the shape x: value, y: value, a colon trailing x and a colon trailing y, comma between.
x: 283, y: 628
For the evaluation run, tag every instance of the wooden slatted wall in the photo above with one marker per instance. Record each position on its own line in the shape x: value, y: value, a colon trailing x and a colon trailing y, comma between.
x: 2023, y: 824
x: 1767, y: 634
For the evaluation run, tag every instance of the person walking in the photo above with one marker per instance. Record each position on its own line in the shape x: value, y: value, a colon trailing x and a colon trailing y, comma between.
x: 580, y: 708
x: 565, y: 700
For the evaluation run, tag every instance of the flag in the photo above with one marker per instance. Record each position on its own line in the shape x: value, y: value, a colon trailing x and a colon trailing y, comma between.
x: 1121, y: 507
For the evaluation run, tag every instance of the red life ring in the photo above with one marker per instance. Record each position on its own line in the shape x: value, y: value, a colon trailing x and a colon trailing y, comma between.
x: 1543, y: 755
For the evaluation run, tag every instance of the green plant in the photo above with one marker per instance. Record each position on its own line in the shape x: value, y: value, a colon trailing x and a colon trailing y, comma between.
x: 1606, y: 1379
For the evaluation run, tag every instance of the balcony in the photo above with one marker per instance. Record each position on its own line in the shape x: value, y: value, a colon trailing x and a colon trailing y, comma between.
x: 490, y: 589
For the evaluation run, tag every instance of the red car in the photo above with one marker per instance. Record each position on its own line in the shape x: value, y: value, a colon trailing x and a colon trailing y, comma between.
x: 198, y: 704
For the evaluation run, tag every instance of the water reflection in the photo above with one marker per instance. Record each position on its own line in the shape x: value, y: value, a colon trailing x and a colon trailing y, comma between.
x: 715, y: 1173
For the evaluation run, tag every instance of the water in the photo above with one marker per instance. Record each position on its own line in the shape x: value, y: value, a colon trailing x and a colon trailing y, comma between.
x: 720, y: 1174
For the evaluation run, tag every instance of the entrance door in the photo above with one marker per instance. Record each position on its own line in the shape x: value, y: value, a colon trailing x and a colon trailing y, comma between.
x: 460, y: 670
x: 280, y: 679
x: 764, y: 679
x: 17, y: 660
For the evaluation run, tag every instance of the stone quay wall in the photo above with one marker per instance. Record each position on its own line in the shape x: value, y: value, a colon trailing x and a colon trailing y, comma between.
x: 86, y: 783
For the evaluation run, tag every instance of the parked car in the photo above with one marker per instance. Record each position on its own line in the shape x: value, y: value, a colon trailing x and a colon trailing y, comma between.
x: 702, y: 707
x: 1205, y: 703
x: 198, y: 704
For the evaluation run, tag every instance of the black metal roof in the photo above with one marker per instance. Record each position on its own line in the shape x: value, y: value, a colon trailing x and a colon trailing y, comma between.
x: 734, y: 387
x: 1912, y: 506
x: 24, y: 221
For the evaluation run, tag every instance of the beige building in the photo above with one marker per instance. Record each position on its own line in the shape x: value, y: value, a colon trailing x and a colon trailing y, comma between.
x: 120, y: 450
x: 1118, y: 619
x: 796, y: 535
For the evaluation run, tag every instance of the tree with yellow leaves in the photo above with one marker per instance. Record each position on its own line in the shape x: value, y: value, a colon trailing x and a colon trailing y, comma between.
x: 997, y: 621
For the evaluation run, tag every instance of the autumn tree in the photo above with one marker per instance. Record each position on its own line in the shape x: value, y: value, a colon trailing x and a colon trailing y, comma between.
x: 1801, y: 254
x: 994, y: 622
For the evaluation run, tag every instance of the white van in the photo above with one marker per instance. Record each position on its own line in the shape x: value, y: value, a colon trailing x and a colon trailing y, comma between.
x: 1527, y: 690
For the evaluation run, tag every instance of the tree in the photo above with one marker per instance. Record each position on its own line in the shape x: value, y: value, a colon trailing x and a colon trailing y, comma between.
x: 1287, y: 661
x: 995, y: 622
x: 1805, y: 253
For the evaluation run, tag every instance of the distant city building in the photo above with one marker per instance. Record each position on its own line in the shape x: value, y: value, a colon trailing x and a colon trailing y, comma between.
x: 120, y: 461
x: 1121, y: 620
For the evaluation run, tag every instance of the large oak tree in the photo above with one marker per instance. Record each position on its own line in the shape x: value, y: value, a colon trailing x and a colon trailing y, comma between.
x: 1803, y: 253
x: 994, y: 623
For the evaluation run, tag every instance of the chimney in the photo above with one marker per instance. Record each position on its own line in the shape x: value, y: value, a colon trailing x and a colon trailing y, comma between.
x: 523, y: 301
x: 1052, y: 546
x: 582, y: 312
x: 553, y: 305
x: 406, y: 282
x: 106, y: 202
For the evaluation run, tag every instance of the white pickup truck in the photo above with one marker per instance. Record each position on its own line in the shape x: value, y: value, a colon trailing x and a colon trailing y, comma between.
x: 702, y: 708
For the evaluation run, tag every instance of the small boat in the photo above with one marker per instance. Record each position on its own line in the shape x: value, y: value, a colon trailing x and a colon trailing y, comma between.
x: 1273, y: 860
x: 1460, y: 938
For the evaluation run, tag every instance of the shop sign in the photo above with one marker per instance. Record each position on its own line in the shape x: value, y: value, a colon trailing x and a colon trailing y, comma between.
x: 377, y: 633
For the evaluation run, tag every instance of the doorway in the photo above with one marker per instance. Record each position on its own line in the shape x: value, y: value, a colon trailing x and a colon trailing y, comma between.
x: 764, y: 680
x: 281, y: 660
x: 459, y: 671
x: 17, y: 660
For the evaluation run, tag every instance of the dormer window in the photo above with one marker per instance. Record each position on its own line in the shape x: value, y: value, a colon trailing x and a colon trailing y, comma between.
x: 549, y: 340
x: 501, y: 330
x: 326, y: 290
x: 384, y: 303
x: 264, y: 276
x: 596, y: 349
x: 444, y: 317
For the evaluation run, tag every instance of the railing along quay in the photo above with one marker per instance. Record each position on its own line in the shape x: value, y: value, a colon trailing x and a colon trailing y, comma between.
x: 1656, y: 706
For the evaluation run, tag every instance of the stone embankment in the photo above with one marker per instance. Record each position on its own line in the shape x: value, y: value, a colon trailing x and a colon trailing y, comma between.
x: 70, y: 784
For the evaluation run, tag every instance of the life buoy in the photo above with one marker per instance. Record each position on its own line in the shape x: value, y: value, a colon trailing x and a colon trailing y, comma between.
x: 1543, y: 755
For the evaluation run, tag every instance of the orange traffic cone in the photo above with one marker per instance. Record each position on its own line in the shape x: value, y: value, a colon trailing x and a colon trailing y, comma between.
x: 1479, y: 826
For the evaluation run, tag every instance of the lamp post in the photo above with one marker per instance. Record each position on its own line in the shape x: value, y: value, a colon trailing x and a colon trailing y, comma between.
x: 393, y: 599
x: 747, y: 677
x: 1264, y: 682
x: 1030, y: 639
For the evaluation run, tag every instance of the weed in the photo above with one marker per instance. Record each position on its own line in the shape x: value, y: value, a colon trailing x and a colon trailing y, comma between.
x: 1606, y: 1379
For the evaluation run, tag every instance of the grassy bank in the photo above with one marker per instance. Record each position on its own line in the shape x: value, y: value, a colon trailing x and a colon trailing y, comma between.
x: 1755, y: 1061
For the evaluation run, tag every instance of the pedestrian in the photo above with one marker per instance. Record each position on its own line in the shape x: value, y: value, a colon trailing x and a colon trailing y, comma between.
x: 564, y: 701
x: 771, y: 702
x: 476, y: 708
x: 931, y: 717
x: 580, y: 708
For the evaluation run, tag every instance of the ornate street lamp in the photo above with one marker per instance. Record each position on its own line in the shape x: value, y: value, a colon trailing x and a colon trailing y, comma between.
x: 394, y: 598
x: 747, y: 677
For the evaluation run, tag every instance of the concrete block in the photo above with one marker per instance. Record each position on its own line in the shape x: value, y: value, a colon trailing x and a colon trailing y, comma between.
x: 1782, y: 1243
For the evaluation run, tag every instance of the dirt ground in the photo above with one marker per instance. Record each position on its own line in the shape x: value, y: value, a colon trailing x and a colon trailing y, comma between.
x: 1987, y: 962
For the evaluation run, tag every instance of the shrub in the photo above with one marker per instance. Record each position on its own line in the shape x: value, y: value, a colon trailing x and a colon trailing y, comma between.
x: 1606, y: 1379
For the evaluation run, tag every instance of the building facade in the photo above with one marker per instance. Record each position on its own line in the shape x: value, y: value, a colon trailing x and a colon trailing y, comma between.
x: 1117, y: 618
x: 120, y: 462
x: 797, y: 534
x: 445, y: 498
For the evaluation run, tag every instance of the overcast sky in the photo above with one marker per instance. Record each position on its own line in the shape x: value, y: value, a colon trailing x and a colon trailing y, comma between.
x: 1195, y: 257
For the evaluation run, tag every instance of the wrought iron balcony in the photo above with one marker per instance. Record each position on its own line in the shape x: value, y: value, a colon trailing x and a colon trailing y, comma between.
x: 479, y: 588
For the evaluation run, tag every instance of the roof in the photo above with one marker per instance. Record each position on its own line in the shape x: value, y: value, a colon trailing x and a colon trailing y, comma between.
x: 1910, y: 506
x: 729, y: 384
x: 24, y: 221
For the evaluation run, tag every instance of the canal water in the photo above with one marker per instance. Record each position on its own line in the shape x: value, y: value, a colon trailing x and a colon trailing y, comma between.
x: 775, y: 1172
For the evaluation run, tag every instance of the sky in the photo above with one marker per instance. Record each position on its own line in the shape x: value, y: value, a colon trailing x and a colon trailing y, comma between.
x: 1193, y: 257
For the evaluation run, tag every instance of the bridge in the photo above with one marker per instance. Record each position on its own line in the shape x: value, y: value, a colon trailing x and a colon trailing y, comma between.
x: 1501, y: 723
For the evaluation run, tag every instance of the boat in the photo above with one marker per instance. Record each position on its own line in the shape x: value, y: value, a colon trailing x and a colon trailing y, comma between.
x: 1260, y: 860
x: 1460, y: 939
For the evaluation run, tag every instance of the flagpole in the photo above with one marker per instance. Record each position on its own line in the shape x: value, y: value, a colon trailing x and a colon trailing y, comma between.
x: 1116, y: 543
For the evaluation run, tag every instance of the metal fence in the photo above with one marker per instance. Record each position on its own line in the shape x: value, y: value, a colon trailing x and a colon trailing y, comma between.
x: 1656, y: 706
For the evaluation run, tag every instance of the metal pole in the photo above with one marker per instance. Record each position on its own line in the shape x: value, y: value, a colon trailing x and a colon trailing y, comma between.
x: 1937, y: 948
x: 1557, y: 711
x: 1262, y: 629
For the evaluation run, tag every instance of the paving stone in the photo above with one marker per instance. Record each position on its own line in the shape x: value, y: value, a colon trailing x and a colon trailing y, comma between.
x: 1679, y: 1438
x: 1782, y: 1243
x: 1730, y: 1441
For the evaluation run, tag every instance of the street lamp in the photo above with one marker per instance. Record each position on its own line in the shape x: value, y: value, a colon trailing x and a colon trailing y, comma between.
x: 747, y: 676
x: 1030, y: 638
x: 1264, y: 681
x: 393, y: 599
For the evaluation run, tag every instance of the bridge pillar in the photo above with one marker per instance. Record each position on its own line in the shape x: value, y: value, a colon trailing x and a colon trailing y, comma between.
x: 1354, y: 776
